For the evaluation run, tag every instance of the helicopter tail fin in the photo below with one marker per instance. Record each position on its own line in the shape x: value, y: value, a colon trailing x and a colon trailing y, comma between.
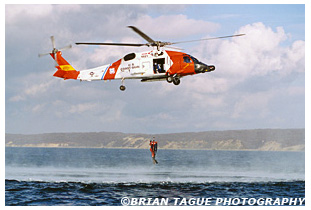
x: 64, y: 69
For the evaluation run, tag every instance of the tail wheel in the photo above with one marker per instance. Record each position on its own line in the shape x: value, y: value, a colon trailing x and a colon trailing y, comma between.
x: 176, y: 80
x: 122, y: 88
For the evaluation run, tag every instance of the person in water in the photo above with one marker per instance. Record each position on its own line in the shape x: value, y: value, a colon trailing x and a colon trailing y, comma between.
x: 153, y: 149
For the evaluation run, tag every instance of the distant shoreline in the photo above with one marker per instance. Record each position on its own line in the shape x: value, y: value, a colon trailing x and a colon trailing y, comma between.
x: 232, y: 140
x: 246, y: 150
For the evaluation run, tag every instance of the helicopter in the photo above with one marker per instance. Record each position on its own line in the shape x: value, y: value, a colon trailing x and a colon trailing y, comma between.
x: 157, y: 64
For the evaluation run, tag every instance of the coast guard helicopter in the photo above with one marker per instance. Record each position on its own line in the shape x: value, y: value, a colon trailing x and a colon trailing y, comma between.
x: 154, y: 65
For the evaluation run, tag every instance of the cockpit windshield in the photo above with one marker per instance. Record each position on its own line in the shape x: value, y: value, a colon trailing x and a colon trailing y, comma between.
x: 194, y: 59
x: 187, y: 59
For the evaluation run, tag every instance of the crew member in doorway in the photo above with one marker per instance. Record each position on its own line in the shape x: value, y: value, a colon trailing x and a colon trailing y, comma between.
x: 153, y: 149
x: 157, y: 68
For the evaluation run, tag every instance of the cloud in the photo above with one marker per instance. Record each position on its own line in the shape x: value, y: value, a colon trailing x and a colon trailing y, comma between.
x: 294, y: 58
x: 32, y: 86
x: 177, y: 26
x: 257, y: 54
x: 83, y: 107
x: 252, y: 75
x: 17, y: 98
x: 256, y: 103
x: 38, y: 108
x: 294, y: 91
x: 37, y: 89
x: 98, y: 23
x: 255, y: 74
x: 15, y: 12
x: 226, y: 16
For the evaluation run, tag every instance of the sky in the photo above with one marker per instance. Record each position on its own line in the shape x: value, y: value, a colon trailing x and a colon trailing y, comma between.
x: 259, y: 81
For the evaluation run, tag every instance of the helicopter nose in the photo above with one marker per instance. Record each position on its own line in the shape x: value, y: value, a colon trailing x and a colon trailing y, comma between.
x: 202, y: 68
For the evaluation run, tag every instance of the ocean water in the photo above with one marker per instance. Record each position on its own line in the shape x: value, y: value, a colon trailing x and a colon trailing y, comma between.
x: 78, y: 177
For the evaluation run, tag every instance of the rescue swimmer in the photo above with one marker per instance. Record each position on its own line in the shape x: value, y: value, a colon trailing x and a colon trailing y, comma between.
x: 153, y: 149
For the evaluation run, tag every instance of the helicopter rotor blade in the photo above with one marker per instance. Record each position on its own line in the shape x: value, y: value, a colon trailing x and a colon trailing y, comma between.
x: 143, y: 35
x: 151, y: 42
x: 43, y: 54
x: 111, y: 44
x: 53, y: 42
x: 65, y: 48
x: 174, y: 48
x: 220, y: 37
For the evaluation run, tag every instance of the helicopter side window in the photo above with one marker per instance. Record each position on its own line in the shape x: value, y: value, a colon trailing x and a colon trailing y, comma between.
x: 130, y: 56
x: 187, y: 59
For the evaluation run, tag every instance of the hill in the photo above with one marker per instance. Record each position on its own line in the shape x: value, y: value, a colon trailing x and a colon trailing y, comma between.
x: 257, y: 139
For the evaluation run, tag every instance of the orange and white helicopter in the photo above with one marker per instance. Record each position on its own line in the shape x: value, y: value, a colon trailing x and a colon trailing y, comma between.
x: 154, y: 65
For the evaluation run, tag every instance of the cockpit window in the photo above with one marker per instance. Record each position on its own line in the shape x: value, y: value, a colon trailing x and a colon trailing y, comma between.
x: 187, y: 59
x: 194, y: 59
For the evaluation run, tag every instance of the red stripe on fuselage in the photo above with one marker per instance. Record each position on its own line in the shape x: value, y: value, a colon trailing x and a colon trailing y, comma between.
x: 175, y: 57
x: 112, y: 70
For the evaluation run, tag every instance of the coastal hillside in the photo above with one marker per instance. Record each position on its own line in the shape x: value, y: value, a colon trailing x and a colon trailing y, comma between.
x: 257, y: 139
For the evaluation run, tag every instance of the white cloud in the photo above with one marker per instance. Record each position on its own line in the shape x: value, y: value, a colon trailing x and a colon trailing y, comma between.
x: 207, y: 83
x: 32, y: 86
x: 294, y: 59
x: 161, y: 28
x: 255, y: 103
x: 252, y: 71
x: 38, y: 108
x: 83, y: 107
x: 260, y: 37
x: 113, y: 114
x: 294, y: 91
x: 38, y: 89
x: 258, y: 53
x: 68, y: 8
x: 176, y: 26
x: 14, y: 12
x: 17, y: 98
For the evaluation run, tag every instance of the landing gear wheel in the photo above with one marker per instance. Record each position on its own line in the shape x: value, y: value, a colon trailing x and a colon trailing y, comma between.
x: 176, y: 80
x: 122, y: 88
x: 169, y: 79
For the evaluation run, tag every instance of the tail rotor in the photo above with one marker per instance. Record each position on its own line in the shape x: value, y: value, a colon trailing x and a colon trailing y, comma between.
x: 55, y: 50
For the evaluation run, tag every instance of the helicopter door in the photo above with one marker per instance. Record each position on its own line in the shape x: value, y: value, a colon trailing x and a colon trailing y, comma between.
x: 146, y: 66
x: 158, y: 65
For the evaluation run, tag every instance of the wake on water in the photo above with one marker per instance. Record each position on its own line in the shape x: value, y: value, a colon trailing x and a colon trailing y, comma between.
x: 104, y: 176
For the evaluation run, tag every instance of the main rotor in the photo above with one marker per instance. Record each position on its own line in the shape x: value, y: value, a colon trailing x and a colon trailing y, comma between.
x: 151, y: 42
